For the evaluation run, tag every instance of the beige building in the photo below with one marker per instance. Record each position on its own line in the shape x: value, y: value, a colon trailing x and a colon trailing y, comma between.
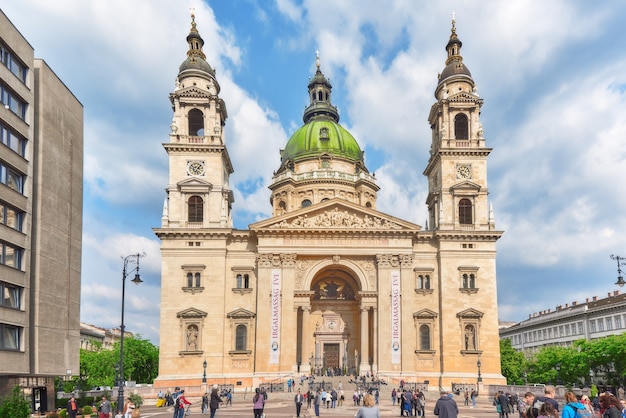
x: 327, y: 281
x: 41, y: 166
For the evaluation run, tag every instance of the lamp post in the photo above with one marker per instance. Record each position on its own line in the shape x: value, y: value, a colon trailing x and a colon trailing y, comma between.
x: 129, y: 259
x: 526, y: 378
x: 478, y: 364
x: 558, y: 374
x: 621, y: 261
x: 204, y: 372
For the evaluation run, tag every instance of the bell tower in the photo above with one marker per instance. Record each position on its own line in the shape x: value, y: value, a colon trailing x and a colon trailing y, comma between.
x: 457, y: 168
x: 198, y: 191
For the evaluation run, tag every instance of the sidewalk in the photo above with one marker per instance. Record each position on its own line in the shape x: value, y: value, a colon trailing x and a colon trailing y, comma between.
x: 283, y: 408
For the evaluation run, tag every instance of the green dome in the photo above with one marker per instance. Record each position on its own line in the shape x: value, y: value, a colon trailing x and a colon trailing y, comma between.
x: 322, y: 136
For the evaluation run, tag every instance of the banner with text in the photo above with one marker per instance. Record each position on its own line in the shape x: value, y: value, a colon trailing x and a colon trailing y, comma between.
x: 395, y: 317
x: 275, y: 318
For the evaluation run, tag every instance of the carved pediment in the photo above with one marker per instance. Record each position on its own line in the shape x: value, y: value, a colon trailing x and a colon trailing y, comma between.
x: 194, y: 185
x: 466, y: 185
x: 464, y: 96
x: 192, y: 91
x: 240, y: 313
x: 425, y: 314
x: 470, y: 313
x: 336, y: 214
x: 191, y: 313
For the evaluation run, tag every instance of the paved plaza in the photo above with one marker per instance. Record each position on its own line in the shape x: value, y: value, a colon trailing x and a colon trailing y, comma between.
x: 284, y: 408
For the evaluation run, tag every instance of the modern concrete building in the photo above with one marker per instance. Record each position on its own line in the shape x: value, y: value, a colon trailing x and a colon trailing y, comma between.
x: 327, y: 281
x: 595, y: 318
x: 41, y: 170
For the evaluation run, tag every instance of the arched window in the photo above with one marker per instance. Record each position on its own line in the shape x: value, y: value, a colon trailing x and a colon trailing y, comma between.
x: 282, y: 207
x: 246, y: 281
x: 197, y: 277
x: 196, y: 209
x: 424, y: 338
x: 423, y: 281
x: 461, y: 129
x: 465, y: 212
x: 469, y: 281
x: 196, y: 122
x: 189, y: 279
x: 319, y: 96
x: 239, y: 281
x: 241, y: 337
x: 306, y: 203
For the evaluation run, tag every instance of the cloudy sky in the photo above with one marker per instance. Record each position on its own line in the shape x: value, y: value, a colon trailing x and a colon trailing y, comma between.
x: 552, y: 74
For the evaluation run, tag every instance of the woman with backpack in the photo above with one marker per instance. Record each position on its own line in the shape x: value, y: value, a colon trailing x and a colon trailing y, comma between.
x: 573, y: 408
x: 258, y: 403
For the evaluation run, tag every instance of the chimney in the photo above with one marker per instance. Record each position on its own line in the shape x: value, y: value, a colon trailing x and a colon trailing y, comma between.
x: 558, y: 308
x: 593, y: 299
x: 609, y: 295
x: 567, y: 305
x: 616, y: 293
x: 587, y: 300
x: 574, y: 303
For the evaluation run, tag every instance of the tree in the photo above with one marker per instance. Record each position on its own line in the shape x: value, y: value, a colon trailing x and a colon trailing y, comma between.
x: 15, y: 405
x: 512, y: 363
x: 97, y: 368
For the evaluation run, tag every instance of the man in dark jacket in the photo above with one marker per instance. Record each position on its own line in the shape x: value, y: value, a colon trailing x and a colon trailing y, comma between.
x: 446, y: 406
x: 72, y: 408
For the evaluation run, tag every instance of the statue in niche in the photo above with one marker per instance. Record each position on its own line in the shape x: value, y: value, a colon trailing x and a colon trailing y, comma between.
x: 192, y: 338
x: 470, y: 338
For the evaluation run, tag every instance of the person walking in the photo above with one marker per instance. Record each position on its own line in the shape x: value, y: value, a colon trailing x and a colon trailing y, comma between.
x: 72, y: 407
x: 180, y: 405
x: 474, y: 395
x: 446, y: 407
x: 298, y: 400
x: 393, y: 396
x: 214, y: 401
x: 104, y: 410
x: 369, y: 408
x: 258, y: 403
x: 317, y: 401
x: 503, y: 401
x: 205, y: 403
x: 525, y: 404
x: 571, y: 406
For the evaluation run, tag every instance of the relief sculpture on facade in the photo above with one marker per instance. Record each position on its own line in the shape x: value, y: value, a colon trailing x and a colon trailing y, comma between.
x: 337, y: 219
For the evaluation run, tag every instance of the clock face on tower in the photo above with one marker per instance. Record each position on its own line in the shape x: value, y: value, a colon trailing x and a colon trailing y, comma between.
x: 195, y: 168
x: 463, y: 171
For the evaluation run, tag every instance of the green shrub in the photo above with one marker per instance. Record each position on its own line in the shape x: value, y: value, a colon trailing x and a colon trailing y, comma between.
x: 87, y: 410
x: 136, y: 399
x: 52, y: 415
x: 15, y: 405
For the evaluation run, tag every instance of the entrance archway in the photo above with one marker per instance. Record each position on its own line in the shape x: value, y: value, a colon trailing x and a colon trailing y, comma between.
x: 335, y: 316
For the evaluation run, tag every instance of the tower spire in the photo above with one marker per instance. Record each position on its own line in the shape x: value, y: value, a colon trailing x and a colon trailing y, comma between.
x: 195, y: 41
x: 320, y: 106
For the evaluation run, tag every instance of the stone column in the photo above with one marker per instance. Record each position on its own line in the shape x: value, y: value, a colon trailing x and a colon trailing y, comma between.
x: 307, y: 337
x: 364, y: 366
x: 375, y: 342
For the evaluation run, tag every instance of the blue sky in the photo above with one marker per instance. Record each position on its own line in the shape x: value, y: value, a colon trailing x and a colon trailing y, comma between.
x: 551, y: 74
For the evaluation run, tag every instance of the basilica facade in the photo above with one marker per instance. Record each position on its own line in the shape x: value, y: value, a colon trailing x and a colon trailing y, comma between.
x: 327, y: 281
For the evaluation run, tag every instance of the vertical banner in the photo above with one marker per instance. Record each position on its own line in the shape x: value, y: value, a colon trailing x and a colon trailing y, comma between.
x: 395, y: 317
x: 275, y: 318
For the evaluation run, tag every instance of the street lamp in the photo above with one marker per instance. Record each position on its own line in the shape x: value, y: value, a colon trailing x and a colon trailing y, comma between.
x: 204, y: 373
x: 621, y: 261
x: 478, y: 364
x: 526, y: 378
x: 129, y: 259
x: 558, y: 374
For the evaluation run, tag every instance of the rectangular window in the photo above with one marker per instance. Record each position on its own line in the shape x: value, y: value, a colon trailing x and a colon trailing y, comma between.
x: 581, y: 330
x: 10, y: 60
x: 618, y: 322
x: 592, y: 325
x: 11, y: 217
x: 10, y: 255
x: 12, y: 140
x: 609, y: 323
x: 600, y: 324
x: 10, y: 337
x: 12, y: 179
x: 11, y: 296
x: 12, y: 102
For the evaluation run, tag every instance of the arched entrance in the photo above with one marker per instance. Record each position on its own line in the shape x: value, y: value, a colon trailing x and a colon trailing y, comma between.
x: 334, y: 320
